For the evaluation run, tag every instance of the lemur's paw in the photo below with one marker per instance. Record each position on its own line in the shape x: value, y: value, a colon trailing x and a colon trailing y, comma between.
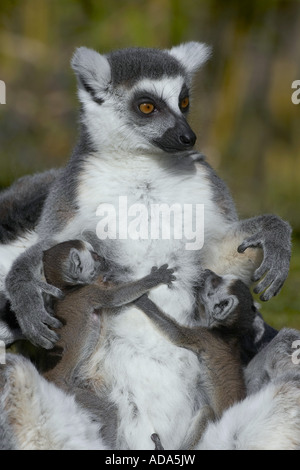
x: 34, y: 320
x: 163, y: 274
x: 274, y: 269
x: 38, y: 331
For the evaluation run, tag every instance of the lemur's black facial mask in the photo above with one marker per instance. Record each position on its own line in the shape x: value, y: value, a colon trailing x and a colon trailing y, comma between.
x: 177, y: 138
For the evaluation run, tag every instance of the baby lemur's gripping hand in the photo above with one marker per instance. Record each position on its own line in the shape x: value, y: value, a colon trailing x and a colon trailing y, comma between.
x: 273, y: 235
x: 163, y: 275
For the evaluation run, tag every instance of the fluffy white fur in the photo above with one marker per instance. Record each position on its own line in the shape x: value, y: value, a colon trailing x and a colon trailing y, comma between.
x: 89, y: 61
x: 191, y: 54
x: 42, y: 416
x: 267, y: 420
x: 166, y: 402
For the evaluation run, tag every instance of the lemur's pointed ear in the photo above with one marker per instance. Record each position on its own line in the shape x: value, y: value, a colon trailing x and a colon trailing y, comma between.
x: 74, y: 259
x: 92, y: 70
x: 191, y: 55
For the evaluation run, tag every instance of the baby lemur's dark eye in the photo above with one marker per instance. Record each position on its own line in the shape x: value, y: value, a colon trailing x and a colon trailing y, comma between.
x: 146, y: 108
x: 184, y: 104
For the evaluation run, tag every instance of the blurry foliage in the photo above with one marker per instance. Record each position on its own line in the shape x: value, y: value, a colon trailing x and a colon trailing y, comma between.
x: 243, y: 114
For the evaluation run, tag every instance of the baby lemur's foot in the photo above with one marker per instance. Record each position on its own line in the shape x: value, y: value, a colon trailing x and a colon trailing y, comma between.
x: 164, y: 274
x: 155, y: 438
x: 216, y: 297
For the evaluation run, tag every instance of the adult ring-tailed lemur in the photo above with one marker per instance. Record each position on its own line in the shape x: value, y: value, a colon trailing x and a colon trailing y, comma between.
x: 135, y: 142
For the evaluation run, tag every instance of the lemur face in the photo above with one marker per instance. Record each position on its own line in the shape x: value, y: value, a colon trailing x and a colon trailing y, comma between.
x: 226, y: 302
x: 83, y: 266
x: 137, y: 100
x: 218, y: 302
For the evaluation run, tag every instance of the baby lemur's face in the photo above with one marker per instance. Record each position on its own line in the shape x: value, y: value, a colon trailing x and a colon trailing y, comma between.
x: 226, y: 301
x: 83, y: 266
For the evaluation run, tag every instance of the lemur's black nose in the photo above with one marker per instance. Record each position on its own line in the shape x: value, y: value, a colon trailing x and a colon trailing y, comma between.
x: 188, y: 139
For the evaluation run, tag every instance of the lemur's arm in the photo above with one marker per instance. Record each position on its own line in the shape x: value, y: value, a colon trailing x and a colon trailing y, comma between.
x: 273, y: 235
x: 126, y: 293
x: 179, y: 335
x: 24, y: 288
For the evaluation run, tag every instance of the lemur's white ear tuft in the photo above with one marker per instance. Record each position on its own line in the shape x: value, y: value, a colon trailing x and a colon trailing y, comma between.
x: 191, y: 55
x: 92, y: 69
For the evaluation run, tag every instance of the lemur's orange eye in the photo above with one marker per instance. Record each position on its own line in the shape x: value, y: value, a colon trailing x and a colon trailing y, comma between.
x: 185, y: 102
x: 147, y: 108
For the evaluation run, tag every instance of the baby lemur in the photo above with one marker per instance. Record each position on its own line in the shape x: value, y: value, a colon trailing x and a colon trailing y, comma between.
x: 80, y: 273
x: 227, y: 313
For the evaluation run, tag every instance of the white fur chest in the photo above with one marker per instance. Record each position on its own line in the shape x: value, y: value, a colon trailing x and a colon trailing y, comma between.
x: 134, y: 191
x: 154, y: 383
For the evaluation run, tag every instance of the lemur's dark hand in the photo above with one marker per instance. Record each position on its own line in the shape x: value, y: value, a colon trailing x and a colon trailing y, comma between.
x: 35, y: 322
x: 163, y: 274
x: 275, y: 240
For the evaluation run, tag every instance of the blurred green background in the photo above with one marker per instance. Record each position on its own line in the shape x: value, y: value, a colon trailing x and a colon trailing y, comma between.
x: 243, y: 115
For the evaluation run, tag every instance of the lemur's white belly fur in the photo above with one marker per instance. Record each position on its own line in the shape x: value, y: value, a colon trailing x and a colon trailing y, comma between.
x: 154, y: 384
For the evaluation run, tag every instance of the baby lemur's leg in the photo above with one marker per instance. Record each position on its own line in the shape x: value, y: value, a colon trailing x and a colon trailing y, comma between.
x: 156, y: 439
x: 126, y: 293
x: 203, y: 417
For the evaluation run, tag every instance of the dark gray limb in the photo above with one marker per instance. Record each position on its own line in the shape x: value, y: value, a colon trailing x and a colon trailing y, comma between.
x: 155, y: 438
x: 22, y: 203
x: 24, y: 288
x: 169, y: 327
x: 273, y: 235
x: 126, y: 293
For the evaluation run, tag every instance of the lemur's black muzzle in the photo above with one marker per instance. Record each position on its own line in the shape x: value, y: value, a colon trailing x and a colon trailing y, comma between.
x: 177, y: 138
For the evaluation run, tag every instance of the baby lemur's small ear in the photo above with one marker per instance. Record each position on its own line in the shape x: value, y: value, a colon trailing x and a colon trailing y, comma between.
x: 75, y: 260
x: 224, y: 308
x: 192, y: 55
x: 92, y: 70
